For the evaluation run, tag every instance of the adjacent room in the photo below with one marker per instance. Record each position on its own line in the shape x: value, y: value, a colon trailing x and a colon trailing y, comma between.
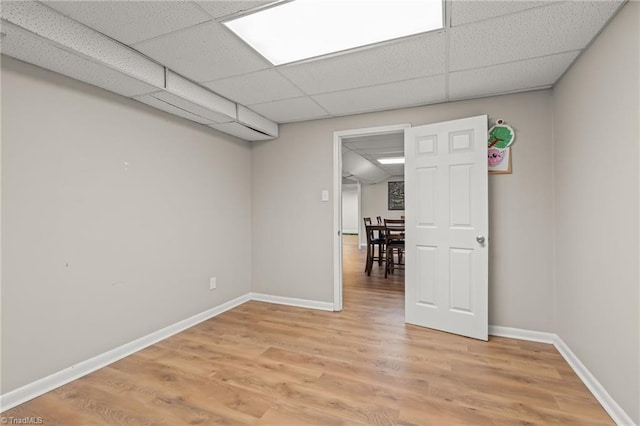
x: 408, y: 212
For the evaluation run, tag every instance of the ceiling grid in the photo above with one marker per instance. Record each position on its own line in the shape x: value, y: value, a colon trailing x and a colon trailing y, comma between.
x: 486, y: 48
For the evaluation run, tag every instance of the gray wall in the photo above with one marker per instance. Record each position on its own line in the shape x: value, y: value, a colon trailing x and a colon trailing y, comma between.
x: 350, y: 208
x: 289, y: 173
x: 596, y: 110
x: 375, y: 200
x: 95, y: 253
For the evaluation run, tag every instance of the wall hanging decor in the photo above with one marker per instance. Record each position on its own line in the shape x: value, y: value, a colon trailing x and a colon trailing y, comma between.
x: 501, y: 136
x: 396, y: 195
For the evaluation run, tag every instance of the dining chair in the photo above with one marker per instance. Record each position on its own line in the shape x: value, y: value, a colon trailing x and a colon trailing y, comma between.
x: 394, y: 241
x: 380, y: 222
x: 373, y: 240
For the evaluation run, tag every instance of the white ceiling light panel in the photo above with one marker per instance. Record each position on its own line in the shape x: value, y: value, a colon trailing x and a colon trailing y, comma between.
x: 391, y: 160
x: 301, y: 29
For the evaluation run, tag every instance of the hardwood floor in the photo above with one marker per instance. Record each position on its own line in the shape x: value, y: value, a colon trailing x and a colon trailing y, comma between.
x: 277, y: 365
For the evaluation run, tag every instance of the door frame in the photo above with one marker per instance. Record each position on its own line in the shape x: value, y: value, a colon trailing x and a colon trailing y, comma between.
x: 337, y: 198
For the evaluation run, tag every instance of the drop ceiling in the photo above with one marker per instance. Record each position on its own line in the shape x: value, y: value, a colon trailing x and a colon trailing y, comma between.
x: 486, y: 48
x: 360, y: 156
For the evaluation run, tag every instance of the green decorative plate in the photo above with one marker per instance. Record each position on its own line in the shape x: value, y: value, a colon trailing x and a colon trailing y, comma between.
x: 501, y: 136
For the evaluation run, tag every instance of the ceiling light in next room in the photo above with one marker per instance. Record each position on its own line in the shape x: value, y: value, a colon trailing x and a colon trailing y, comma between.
x: 391, y: 160
x: 301, y: 29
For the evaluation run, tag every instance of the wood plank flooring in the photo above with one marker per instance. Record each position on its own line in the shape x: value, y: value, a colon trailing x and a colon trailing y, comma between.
x: 266, y: 364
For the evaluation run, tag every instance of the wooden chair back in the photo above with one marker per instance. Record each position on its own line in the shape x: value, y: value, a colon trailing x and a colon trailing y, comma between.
x: 394, y: 229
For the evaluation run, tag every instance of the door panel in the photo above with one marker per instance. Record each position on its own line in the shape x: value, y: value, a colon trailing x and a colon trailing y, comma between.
x: 426, y: 181
x: 426, y: 264
x: 446, y: 209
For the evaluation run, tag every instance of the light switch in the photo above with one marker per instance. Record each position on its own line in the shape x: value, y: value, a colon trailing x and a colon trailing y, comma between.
x: 325, y: 195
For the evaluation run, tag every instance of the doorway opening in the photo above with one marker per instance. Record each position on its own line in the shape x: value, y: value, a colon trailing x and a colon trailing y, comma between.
x: 361, y: 185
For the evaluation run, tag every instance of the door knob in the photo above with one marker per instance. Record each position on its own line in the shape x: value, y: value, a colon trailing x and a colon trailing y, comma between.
x: 480, y: 239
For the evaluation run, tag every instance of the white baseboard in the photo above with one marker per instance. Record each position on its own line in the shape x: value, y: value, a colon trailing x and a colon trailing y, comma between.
x: 608, y: 403
x: 518, y: 333
x: 599, y: 392
x: 55, y: 380
x: 292, y: 301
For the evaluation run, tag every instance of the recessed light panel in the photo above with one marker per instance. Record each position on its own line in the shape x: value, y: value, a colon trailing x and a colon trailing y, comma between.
x: 391, y: 160
x: 301, y: 29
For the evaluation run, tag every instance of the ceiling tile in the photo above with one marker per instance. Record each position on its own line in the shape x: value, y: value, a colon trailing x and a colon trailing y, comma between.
x: 27, y: 47
x: 413, y: 57
x: 288, y: 110
x: 42, y: 21
x: 363, y: 144
x: 521, y: 75
x: 363, y: 169
x: 529, y: 34
x: 132, y: 21
x: 388, y: 153
x: 394, y: 169
x: 418, y: 91
x: 259, y: 87
x: 220, y: 8
x: 381, y: 152
x: 204, y: 52
x: 466, y: 11
x: 372, y: 147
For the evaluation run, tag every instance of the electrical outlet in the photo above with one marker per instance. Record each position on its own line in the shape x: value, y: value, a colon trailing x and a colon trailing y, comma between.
x: 212, y: 283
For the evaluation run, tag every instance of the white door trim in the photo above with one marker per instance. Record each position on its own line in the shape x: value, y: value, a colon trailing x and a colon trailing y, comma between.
x: 337, y: 198
x: 360, y: 223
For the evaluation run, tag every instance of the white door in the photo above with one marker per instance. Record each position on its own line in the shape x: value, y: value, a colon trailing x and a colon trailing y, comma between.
x: 446, y: 210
